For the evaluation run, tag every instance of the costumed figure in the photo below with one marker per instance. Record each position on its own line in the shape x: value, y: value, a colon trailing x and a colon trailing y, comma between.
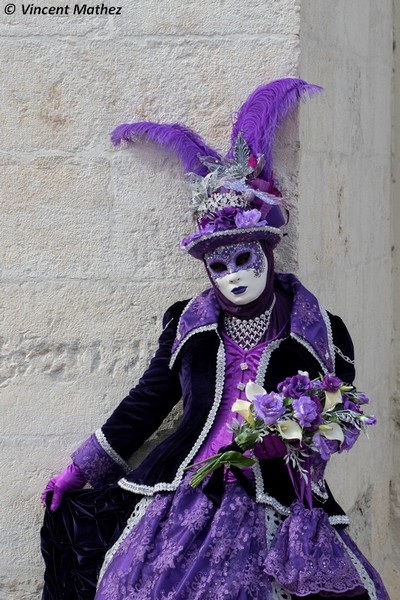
x: 242, y: 533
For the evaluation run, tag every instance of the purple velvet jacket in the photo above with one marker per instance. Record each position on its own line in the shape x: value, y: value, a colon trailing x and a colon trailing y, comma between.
x: 190, y: 364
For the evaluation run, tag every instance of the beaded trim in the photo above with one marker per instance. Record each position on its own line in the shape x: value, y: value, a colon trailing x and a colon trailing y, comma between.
x: 330, y: 335
x: 318, y: 491
x: 361, y: 570
x: 233, y: 232
x: 211, y: 327
x: 248, y: 332
x: 101, y: 438
x: 137, y: 514
x: 339, y: 520
x: 311, y: 350
x: 148, y: 490
x: 346, y: 358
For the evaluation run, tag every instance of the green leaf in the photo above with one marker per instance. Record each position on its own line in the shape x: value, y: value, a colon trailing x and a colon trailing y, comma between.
x: 247, y: 440
x: 237, y: 459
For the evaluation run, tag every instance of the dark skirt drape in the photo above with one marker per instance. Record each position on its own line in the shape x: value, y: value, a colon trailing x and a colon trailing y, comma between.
x: 76, y: 537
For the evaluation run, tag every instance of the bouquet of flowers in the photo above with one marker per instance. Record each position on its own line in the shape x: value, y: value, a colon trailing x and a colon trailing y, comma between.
x: 309, y: 418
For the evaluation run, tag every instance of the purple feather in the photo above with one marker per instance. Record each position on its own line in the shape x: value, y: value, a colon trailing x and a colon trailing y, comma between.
x: 185, y: 142
x: 263, y: 112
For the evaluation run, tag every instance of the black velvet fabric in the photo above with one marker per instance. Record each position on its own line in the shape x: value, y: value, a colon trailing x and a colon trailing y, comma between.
x: 75, y: 539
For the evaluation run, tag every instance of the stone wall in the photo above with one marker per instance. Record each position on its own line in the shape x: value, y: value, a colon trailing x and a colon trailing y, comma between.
x: 90, y: 235
x: 346, y: 233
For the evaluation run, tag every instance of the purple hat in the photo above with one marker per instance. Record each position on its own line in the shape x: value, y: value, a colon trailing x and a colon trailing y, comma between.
x: 234, y: 198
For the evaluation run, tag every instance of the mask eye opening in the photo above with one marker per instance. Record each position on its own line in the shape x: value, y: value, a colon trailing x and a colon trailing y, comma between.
x: 242, y: 259
x: 218, y: 267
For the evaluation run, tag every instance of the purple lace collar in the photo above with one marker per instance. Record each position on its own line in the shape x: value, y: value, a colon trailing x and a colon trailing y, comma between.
x: 309, y: 323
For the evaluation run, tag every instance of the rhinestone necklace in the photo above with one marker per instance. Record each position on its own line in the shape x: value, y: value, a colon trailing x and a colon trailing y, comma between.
x: 248, y: 332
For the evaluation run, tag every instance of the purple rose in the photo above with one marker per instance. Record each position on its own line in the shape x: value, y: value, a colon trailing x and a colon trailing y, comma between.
x: 331, y: 383
x: 362, y: 398
x: 305, y: 411
x: 268, y: 407
x: 349, y: 404
x: 350, y: 437
x: 249, y: 218
x: 218, y: 221
x: 225, y: 218
x: 369, y: 420
x: 324, y: 446
x: 294, y: 387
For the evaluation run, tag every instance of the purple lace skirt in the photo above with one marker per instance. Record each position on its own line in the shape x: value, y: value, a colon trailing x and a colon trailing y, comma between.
x: 185, y: 548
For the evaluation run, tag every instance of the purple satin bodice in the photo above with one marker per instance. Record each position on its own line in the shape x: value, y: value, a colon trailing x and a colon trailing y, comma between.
x: 240, y: 367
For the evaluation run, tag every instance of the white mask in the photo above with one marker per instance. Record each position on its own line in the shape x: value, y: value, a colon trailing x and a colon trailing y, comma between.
x: 239, y: 271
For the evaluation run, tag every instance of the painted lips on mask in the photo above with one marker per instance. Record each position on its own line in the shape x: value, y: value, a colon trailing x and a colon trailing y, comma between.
x: 239, y: 271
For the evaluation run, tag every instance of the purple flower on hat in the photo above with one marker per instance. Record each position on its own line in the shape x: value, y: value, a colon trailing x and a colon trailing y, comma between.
x: 324, y: 446
x: 295, y: 386
x: 305, y: 411
x: 252, y: 161
x: 249, y: 218
x: 268, y: 407
x: 218, y: 221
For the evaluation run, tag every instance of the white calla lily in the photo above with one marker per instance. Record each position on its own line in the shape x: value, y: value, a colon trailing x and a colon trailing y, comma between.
x: 332, y: 431
x: 242, y: 407
x: 290, y: 430
x: 332, y: 399
x: 253, y: 389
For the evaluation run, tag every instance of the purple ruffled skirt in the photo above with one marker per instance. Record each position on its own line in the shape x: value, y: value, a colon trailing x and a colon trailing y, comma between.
x: 185, y: 548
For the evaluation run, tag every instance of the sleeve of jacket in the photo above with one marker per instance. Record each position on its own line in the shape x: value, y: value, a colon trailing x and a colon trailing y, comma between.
x: 102, y: 456
x: 344, y: 350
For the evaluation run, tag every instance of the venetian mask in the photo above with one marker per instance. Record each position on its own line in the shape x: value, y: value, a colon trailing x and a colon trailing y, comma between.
x: 239, y: 271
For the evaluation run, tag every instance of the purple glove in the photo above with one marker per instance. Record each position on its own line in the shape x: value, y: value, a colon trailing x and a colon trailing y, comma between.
x: 70, y: 479
x: 271, y: 447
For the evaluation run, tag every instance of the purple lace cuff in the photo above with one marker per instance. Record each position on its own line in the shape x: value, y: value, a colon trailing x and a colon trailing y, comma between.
x: 97, y: 465
x: 308, y: 557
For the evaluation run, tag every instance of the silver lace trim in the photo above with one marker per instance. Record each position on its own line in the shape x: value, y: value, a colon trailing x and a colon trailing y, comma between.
x: 346, y: 358
x: 147, y: 490
x: 248, y: 332
x: 339, y: 520
x: 361, y: 570
x: 272, y: 521
x: 264, y: 361
x: 137, y: 514
x: 101, y: 438
x: 330, y: 335
x: 211, y: 327
x: 234, y: 232
x: 262, y: 497
x: 310, y: 349
x: 318, y: 490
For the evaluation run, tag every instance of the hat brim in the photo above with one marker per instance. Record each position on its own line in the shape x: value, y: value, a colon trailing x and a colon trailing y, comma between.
x: 198, y: 247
